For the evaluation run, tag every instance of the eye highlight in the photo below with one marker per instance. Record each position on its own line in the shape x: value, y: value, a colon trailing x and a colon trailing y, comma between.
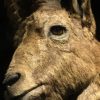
x: 58, y: 30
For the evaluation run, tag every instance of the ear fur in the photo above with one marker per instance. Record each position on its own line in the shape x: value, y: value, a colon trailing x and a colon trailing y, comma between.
x: 83, y: 8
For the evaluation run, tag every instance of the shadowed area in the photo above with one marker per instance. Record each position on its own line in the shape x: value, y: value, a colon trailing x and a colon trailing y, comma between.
x: 95, y: 7
x: 6, y: 49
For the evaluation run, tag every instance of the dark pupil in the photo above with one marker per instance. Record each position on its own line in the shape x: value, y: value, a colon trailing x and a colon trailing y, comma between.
x: 58, y: 30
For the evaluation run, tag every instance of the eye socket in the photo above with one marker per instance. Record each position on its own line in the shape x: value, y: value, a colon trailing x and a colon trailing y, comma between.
x: 58, y: 30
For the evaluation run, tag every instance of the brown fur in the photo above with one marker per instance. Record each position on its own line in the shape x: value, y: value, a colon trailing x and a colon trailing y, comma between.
x: 55, y: 68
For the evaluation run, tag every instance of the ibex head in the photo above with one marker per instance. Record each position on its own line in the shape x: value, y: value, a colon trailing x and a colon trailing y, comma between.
x: 54, y: 59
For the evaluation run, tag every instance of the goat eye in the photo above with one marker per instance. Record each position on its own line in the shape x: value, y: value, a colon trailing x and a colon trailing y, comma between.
x: 58, y: 30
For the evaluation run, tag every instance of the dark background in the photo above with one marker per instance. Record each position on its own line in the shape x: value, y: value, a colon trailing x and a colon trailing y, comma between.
x: 6, y: 48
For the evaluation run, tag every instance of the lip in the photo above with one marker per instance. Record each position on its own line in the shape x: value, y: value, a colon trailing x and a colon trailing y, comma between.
x: 32, y: 93
x: 35, y: 93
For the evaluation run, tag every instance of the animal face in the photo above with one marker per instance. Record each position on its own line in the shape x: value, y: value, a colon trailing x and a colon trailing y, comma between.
x: 55, y: 58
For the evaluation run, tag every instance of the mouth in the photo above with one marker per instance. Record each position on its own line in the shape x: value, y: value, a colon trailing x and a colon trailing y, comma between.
x: 35, y: 93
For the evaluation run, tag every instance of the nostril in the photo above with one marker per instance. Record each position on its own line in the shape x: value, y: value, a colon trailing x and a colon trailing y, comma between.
x: 11, y: 79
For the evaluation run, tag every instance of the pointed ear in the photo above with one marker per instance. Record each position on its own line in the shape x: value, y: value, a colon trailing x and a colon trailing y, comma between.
x: 83, y: 8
